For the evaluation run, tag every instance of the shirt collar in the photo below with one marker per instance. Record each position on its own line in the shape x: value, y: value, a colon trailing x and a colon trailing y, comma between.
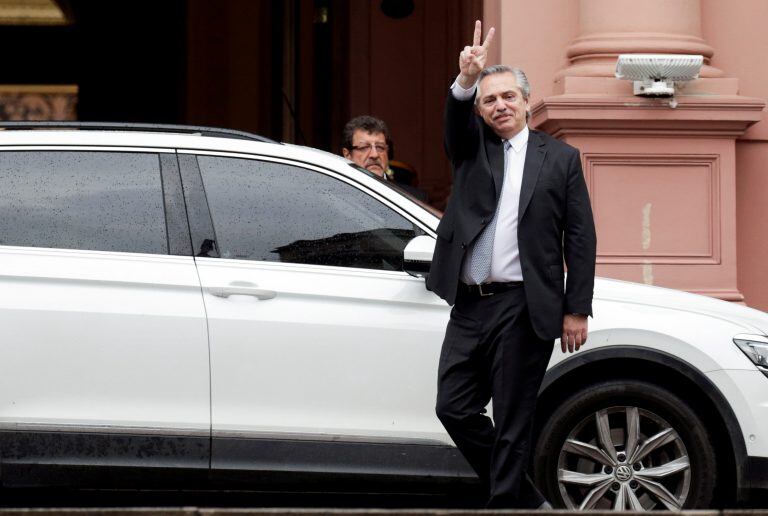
x: 519, y: 140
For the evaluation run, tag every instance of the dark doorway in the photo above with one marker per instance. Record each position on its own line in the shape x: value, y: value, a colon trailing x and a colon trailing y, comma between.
x: 292, y: 70
x: 129, y: 60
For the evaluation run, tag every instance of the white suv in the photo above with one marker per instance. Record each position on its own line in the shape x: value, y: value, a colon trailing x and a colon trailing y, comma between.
x: 209, y: 309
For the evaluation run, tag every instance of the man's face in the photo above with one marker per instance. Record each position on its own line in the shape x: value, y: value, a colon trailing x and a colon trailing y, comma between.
x: 501, y: 104
x: 369, y: 150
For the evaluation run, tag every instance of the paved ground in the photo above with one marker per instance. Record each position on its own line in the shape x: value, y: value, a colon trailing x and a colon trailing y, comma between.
x: 232, y: 500
x: 193, y: 511
x: 127, y: 503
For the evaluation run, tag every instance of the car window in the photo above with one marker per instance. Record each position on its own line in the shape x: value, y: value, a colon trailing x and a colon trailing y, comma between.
x: 396, y: 187
x: 277, y: 212
x: 104, y: 201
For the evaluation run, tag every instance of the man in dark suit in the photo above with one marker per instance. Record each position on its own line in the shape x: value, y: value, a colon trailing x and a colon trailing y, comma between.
x: 519, y: 206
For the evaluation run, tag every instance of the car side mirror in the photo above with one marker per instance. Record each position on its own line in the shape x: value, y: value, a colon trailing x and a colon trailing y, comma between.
x: 417, y: 256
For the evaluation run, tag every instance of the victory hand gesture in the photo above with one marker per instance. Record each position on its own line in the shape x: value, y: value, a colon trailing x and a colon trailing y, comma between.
x: 472, y: 59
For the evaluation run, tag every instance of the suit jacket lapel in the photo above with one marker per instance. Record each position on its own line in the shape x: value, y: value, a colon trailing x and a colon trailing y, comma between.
x: 495, y: 152
x: 534, y: 159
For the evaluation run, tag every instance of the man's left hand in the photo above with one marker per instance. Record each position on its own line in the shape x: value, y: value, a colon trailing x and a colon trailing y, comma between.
x: 574, y: 332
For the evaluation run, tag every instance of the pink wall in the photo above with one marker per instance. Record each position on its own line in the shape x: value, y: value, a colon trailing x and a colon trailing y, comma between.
x: 701, y: 175
x: 661, y: 206
x: 741, y: 44
x: 752, y: 222
x: 533, y: 36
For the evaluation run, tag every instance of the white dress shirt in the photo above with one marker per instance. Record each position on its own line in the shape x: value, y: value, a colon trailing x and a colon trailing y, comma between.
x: 505, y: 260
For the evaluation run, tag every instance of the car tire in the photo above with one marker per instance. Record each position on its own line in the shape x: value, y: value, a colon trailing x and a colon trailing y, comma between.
x: 668, y: 458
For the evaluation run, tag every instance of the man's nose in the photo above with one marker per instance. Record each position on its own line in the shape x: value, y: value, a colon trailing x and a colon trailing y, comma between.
x: 374, y: 152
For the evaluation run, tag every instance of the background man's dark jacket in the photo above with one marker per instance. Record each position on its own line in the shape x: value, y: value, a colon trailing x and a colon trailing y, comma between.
x: 554, y: 218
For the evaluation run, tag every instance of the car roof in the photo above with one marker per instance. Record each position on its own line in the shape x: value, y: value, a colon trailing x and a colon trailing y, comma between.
x: 131, y: 126
x: 164, y: 137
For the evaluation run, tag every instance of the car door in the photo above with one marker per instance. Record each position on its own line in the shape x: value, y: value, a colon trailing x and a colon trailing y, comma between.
x: 104, y: 353
x: 318, y: 338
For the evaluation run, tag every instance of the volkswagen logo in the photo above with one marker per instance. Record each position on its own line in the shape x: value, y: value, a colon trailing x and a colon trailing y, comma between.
x: 623, y: 473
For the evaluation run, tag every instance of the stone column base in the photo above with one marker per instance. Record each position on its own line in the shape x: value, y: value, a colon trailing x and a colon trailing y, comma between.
x: 661, y: 180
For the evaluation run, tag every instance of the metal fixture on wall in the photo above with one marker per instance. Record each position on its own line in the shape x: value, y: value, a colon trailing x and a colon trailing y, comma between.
x: 655, y: 75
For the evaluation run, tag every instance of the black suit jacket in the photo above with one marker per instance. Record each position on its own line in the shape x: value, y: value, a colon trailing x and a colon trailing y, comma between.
x: 554, y: 219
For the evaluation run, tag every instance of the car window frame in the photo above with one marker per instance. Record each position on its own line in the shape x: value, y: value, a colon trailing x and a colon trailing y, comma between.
x: 203, y: 230
x: 178, y: 238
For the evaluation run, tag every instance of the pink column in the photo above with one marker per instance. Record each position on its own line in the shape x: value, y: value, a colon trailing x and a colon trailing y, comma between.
x: 662, y: 178
x: 611, y: 27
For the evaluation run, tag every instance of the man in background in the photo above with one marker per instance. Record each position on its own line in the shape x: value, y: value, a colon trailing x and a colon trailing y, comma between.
x: 367, y: 142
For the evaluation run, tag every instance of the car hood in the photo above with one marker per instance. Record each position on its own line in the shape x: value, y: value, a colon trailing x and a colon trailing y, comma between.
x: 627, y: 292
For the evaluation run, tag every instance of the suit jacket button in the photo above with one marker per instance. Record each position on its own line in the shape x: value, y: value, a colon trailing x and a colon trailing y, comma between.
x: 483, y: 221
x: 463, y: 245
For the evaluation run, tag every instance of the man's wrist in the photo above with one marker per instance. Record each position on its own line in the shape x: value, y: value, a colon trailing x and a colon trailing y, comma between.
x: 466, y: 81
x: 461, y: 93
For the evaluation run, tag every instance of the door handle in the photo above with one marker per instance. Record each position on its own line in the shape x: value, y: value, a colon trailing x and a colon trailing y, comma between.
x: 242, y: 288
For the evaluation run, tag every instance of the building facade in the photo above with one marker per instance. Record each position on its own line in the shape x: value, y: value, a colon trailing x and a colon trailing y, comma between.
x: 677, y: 187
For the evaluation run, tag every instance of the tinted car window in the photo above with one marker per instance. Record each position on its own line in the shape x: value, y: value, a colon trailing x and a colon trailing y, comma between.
x: 105, y: 201
x: 277, y: 212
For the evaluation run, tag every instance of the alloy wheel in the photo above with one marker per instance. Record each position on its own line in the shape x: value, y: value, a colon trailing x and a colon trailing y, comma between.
x: 624, y: 458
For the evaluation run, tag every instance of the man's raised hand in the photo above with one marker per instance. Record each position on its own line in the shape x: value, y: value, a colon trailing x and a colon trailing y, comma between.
x: 472, y: 59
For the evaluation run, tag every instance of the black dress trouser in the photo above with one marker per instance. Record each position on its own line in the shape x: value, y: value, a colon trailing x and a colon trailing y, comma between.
x: 491, y: 352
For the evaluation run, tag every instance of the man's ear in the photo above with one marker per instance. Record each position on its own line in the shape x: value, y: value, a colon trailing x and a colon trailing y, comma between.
x: 345, y: 153
x: 477, y: 110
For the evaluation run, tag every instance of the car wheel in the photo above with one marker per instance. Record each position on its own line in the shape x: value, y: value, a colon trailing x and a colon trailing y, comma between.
x: 625, y: 445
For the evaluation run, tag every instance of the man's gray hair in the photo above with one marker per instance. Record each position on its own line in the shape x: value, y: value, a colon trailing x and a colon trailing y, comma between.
x: 522, y: 80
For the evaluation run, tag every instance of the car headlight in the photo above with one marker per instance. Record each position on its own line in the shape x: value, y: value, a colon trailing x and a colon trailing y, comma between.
x: 756, y: 349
